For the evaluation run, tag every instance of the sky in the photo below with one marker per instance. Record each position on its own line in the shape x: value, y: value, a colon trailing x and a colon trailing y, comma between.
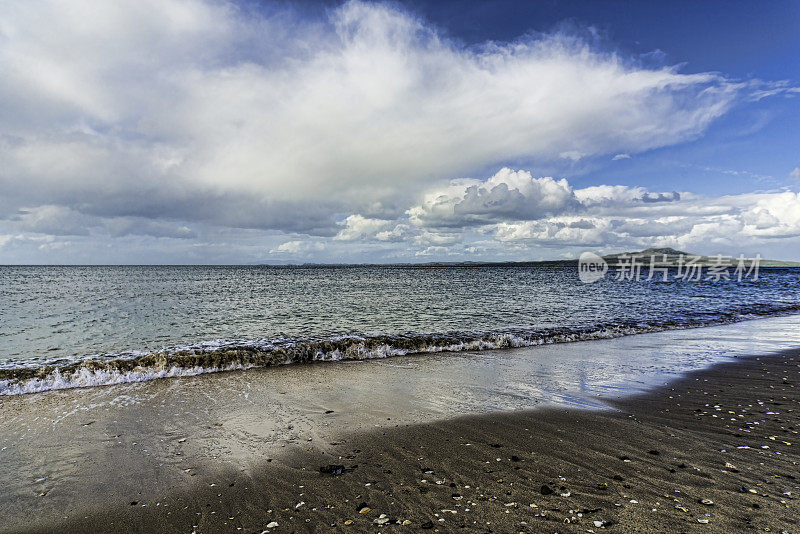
x: 221, y: 132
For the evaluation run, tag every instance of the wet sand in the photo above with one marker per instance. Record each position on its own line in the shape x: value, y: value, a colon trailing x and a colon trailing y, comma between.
x: 717, y: 446
x: 725, y: 433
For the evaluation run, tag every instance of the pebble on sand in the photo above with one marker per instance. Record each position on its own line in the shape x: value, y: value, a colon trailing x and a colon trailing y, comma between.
x: 332, y: 469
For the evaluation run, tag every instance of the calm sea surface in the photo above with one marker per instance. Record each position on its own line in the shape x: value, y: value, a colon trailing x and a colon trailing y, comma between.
x: 64, y: 326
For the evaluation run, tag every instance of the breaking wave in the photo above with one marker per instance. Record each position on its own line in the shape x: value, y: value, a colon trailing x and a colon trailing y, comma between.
x: 228, y: 355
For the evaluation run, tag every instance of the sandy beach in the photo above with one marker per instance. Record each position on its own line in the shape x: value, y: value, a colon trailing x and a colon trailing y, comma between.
x: 587, y: 447
x: 715, y: 451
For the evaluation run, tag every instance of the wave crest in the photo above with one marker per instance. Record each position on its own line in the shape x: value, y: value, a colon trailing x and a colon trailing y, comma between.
x: 228, y: 355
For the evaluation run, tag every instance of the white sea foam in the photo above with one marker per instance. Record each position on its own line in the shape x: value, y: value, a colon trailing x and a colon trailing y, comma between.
x: 83, y: 378
x: 229, y: 355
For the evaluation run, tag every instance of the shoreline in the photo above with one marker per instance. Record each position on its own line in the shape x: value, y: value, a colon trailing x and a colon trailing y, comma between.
x: 189, y: 360
x: 672, y: 437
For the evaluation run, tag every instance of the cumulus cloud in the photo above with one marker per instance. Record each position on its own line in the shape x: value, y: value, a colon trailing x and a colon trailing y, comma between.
x: 776, y: 215
x: 298, y: 247
x: 620, y: 195
x: 518, y: 211
x: 438, y: 239
x: 557, y: 232
x: 512, y: 195
x: 399, y: 233
x: 659, y: 227
x: 641, y: 219
x: 436, y: 251
x: 209, y: 112
x: 358, y: 227
x: 506, y: 195
x: 661, y: 197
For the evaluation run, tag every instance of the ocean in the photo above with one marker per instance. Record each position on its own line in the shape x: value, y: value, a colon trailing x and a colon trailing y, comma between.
x: 81, y: 326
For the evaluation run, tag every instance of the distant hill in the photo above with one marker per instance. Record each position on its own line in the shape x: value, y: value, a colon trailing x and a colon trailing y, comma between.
x: 611, y: 259
x: 673, y: 255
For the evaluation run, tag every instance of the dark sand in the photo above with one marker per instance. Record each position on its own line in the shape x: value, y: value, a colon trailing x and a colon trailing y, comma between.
x: 727, y: 434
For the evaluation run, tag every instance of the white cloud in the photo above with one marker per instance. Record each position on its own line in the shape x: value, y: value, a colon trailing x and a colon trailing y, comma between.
x: 398, y: 233
x: 506, y: 195
x: 205, y: 112
x: 129, y: 122
x: 620, y: 195
x: 609, y: 195
x: 557, y: 231
x: 517, y: 196
x: 358, y: 227
x: 434, y: 251
x: 509, y: 208
x: 795, y: 174
x: 438, y: 239
x: 572, y: 155
x: 298, y: 247
x: 621, y: 217
x: 775, y: 215
x: 779, y: 88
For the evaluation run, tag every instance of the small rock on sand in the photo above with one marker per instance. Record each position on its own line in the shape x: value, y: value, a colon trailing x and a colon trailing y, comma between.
x: 332, y: 469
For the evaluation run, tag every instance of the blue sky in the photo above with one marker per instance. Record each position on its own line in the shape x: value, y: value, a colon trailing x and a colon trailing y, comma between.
x: 203, y: 131
x: 743, y: 40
